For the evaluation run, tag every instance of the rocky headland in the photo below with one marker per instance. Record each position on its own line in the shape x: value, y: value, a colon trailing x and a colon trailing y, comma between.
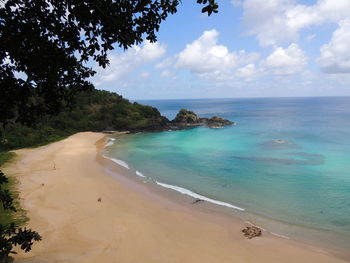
x: 185, y: 119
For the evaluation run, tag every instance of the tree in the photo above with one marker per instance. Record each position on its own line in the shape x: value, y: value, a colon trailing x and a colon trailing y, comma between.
x: 45, y: 46
x: 10, y: 234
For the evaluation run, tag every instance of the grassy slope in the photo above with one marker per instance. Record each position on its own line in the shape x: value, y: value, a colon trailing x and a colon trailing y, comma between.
x: 5, y: 157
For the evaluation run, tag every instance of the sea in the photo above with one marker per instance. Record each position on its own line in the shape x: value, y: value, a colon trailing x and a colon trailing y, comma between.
x: 284, y: 166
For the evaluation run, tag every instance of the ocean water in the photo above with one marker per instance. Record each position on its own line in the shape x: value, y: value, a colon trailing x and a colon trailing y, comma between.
x: 287, y: 161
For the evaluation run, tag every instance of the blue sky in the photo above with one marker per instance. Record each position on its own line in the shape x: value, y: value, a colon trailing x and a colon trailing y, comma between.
x: 251, y: 48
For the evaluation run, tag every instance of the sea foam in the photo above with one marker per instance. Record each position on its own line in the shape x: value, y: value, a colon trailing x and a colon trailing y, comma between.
x: 140, y: 174
x: 110, y: 142
x: 177, y: 188
x: 117, y: 161
x: 195, y: 195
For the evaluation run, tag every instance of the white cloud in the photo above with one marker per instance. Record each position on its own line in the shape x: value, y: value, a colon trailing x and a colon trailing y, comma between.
x: 287, y: 61
x: 169, y: 61
x: 248, y: 72
x: 208, y: 59
x: 276, y: 21
x: 205, y: 55
x: 211, y: 61
x: 335, y: 56
x: 122, y: 64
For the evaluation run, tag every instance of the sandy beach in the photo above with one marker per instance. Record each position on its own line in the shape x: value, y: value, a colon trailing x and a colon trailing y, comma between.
x: 61, y: 184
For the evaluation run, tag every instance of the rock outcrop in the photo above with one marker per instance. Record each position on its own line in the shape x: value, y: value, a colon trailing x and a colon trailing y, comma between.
x: 186, y: 118
x: 217, y: 122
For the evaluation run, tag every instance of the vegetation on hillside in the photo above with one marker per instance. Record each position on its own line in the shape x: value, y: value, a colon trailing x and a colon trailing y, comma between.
x: 94, y: 110
x: 5, y: 157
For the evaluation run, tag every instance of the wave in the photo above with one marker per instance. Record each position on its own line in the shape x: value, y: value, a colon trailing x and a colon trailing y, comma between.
x: 117, y: 161
x: 195, y: 195
x: 176, y: 188
x: 140, y: 174
x: 278, y: 235
x: 110, y: 142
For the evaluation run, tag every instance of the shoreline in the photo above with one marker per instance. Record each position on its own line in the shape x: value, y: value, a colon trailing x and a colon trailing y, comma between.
x: 61, y: 183
x: 130, y: 175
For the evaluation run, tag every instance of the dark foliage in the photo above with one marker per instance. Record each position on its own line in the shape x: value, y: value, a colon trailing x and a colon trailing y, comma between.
x: 10, y: 234
x: 94, y: 110
x: 45, y: 44
x: 5, y: 197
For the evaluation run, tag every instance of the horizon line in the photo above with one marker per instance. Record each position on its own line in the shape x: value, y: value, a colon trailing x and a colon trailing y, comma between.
x: 267, y: 97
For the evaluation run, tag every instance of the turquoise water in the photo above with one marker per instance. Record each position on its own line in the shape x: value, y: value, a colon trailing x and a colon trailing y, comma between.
x: 287, y: 159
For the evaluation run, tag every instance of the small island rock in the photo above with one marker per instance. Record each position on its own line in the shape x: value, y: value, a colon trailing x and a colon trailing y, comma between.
x: 186, y: 118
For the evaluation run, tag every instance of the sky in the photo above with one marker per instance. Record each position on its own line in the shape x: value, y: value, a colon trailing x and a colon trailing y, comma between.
x: 251, y: 48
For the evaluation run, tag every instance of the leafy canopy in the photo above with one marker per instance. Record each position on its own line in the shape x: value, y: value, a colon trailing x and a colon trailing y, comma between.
x: 45, y: 45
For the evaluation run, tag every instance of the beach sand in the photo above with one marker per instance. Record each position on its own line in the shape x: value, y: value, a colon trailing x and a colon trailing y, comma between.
x: 60, y: 185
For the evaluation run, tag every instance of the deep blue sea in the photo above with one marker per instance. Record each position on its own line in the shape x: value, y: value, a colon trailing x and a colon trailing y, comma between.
x: 286, y: 162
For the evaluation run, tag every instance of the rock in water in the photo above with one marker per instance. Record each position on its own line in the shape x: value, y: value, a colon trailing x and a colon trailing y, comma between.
x: 251, y: 231
x: 218, y: 122
x: 186, y: 118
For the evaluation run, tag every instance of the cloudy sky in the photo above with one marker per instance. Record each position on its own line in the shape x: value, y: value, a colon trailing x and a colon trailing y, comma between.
x: 251, y: 48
